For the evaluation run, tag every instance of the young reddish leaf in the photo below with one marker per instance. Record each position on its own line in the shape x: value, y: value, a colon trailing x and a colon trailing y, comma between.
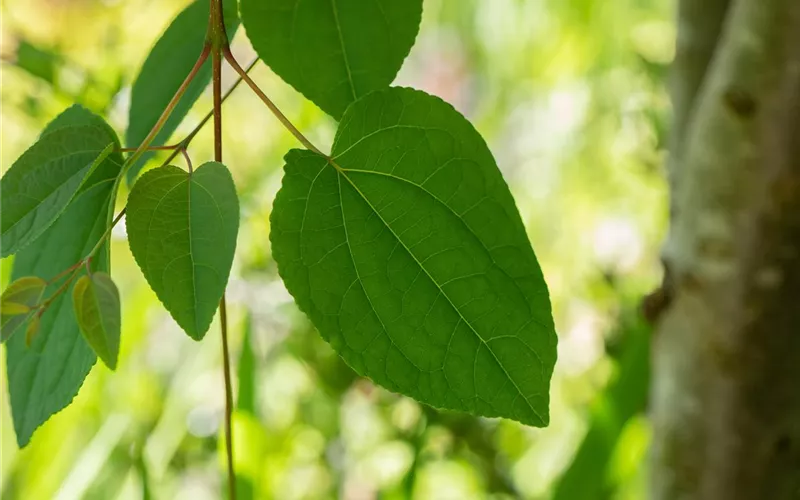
x: 33, y: 329
x: 16, y: 303
x: 95, y: 299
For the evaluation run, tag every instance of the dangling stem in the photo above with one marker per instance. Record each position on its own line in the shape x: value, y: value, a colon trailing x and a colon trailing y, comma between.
x: 218, y: 40
x: 167, y: 111
x: 189, y: 137
x: 272, y: 107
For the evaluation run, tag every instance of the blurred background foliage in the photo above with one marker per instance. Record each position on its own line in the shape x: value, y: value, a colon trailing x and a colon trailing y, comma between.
x: 570, y: 96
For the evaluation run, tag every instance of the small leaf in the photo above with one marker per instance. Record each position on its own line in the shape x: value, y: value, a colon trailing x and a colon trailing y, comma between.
x: 97, y: 309
x: 182, y: 232
x: 42, y: 182
x: 16, y: 303
x: 333, y: 51
x: 44, y: 378
x: 33, y: 329
x: 409, y: 255
x: 13, y: 309
x: 38, y: 61
x: 169, y: 63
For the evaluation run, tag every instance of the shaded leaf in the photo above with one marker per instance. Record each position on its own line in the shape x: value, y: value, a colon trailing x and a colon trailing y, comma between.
x: 333, y: 51
x: 410, y: 257
x: 167, y: 65
x: 95, y: 299
x: 33, y: 329
x: 246, y: 398
x: 17, y: 302
x: 44, y: 378
x: 182, y: 232
x: 39, y: 62
x: 42, y: 182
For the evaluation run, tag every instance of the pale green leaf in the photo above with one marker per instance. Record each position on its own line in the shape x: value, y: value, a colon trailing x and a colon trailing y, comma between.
x: 16, y: 304
x: 33, y: 329
x: 42, y: 182
x: 95, y: 299
x: 182, y: 232
x: 410, y: 257
x: 44, y: 378
x: 333, y: 51
x: 167, y: 65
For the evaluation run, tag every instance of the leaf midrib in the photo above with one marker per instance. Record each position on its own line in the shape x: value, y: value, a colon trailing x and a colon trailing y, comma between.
x: 344, y: 49
x: 341, y: 172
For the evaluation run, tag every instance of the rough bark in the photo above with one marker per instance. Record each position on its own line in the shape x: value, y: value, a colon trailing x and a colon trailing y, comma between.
x: 726, y: 358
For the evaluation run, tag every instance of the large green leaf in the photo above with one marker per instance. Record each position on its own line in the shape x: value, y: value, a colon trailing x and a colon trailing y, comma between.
x: 409, y: 255
x: 41, y: 183
x: 333, y: 51
x: 95, y: 299
x: 44, y: 378
x: 169, y: 63
x: 182, y: 231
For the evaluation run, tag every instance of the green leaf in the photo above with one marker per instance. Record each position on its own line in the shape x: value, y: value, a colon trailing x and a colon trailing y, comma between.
x: 410, y: 257
x: 38, y: 61
x: 17, y: 302
x: 169, y: 63
x: 182, y: 231
x: 246, y: 397
x: 41, y: 183
x: 97, y: 310
x: 44, y: 378
x: 33, y: 329
x: 333, y: 51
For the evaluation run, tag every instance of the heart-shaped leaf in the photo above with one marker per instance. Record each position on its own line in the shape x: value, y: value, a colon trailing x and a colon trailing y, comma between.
x: 182, y: 231
x: 409, y: 255
x: 17, y: 302
x: 333, y: 51
x: 95, y: 299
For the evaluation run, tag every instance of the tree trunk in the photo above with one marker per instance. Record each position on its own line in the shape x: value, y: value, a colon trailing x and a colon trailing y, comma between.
x: 726, y: 357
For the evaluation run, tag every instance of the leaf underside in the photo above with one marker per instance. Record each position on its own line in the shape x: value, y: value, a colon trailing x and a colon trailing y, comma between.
x: 17, y: 302
x: 182, y: 232
x: 410, y: 257
x: 45, y: 377
x: 97, y: 310
x: 333, y: 51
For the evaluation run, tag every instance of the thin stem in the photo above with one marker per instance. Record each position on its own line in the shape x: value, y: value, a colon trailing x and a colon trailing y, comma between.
x: 64, y: 272
x: 216, y: 82
x: 151, y: 148
x: 187, y: 158
x: 226, y: 366
x: 62, y: 288
x: 168, y: 110
x: 106, y: 234
x: 188, y: 139
x: 272, y: 107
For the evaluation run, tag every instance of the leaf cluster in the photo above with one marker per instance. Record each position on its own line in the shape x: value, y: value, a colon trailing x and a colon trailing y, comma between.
x: 404, y: 245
